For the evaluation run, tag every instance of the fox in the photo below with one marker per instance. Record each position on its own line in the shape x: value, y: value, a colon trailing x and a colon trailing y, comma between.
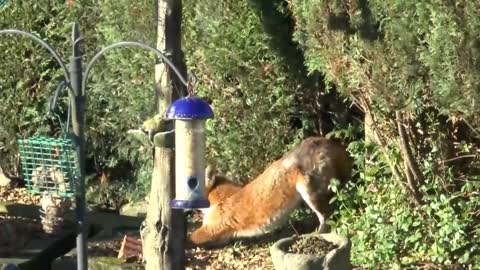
x: 218, y: 187
x: 265, y: 203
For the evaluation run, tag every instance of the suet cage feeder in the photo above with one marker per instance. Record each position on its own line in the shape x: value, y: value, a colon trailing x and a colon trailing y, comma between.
x: 48, y: 165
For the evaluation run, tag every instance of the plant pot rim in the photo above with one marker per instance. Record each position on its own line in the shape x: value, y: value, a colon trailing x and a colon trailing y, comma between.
x: 339, y: 240
x: 337, y: 258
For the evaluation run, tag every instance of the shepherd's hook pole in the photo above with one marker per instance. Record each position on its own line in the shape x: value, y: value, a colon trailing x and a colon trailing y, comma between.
x: 78, y: 124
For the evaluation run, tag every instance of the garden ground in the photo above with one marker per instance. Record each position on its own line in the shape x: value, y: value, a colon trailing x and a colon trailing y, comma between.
x: 247, y: 254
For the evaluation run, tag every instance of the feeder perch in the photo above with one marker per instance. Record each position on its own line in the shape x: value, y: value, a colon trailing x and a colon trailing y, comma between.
x: 190, y: 114
x: 49, y: 165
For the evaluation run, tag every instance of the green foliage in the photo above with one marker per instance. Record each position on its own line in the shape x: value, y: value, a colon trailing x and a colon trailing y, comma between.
x: 402, y: 54
x: 249, y: 82
x: 28, y: 74
x: 252, y: 95
x: 110, y: 197
x: 389, y: 232
x: 119, y: 91
x: 383, y: 55
x: 422, y: 58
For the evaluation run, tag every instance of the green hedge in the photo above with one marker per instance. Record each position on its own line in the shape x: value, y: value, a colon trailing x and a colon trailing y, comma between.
x: 402, y: 53
x: 120, y: 93
x: 253, y: 95
x: 422, y: 58
x: 253, y: 87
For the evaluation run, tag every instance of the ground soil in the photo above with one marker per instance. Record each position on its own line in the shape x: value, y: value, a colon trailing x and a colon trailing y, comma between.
x: 18, y: 195
x: 311, y: 246
x: 246, y: 254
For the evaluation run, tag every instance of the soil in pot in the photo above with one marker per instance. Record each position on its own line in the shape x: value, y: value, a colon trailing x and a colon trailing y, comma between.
x: 311, y: 246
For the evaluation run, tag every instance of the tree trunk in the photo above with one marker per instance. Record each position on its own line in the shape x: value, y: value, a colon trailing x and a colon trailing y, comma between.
x: 164, y: 234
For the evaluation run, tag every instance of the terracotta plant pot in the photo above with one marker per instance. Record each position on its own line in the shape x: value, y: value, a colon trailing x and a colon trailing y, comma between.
x: 336, y: 259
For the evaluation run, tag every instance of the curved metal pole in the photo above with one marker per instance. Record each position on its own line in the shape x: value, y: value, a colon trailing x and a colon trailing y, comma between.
x: 130, y: 44
x: 45, y: 45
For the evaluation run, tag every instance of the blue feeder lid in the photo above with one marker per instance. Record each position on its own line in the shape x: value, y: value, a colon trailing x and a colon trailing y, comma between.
x: 189, y: 108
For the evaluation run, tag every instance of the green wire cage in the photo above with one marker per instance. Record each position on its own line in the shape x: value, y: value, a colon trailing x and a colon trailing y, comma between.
x: 49, y: 165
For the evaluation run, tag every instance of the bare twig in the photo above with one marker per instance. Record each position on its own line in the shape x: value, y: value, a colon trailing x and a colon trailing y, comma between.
x: 293, y: 227
x: 459, y: 157
x: 472, y: 128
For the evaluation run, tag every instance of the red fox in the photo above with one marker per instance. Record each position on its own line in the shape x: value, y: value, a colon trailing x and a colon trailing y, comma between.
x: 266, y: 202
x: 218, y: 187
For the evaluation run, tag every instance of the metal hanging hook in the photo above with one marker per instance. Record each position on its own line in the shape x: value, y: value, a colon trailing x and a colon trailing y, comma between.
x: 53, y: 102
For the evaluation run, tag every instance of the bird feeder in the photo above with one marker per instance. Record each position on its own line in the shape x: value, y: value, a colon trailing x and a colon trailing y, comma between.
x: 190, y: 114
x: 49, y: 165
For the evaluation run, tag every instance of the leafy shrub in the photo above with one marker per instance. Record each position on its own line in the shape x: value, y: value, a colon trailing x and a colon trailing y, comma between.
x: 121, y: 94
x: 253, y: 97
x: 28, y: 74
x: 389, y: 232
x: 418, y: 59
x: 399, y: 54
x: 119, y: 91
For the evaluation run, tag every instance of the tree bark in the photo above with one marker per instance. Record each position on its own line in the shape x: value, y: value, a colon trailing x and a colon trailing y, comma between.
x: 164, y: 233
x: 412, y: 170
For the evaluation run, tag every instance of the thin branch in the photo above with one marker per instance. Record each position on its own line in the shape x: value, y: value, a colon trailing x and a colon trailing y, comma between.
x: 379, y: 140
x: 472, y: 128
x: 459, y: 157
x: 411, y: 184
x: 407, y: 151
x: 393, y: 166
x: 293, y: 227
